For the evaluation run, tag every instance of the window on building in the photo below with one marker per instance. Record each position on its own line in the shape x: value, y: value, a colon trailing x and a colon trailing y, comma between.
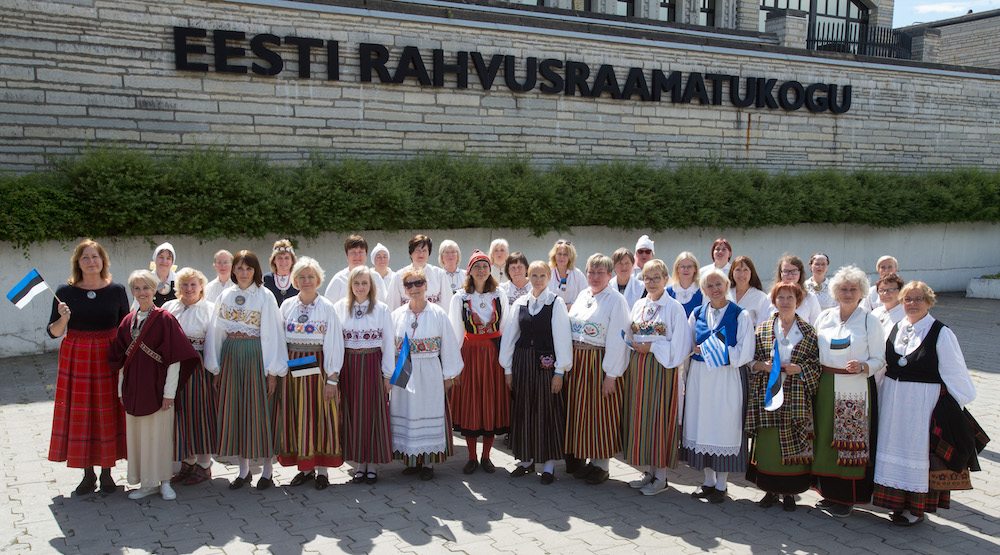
x: 706, y: 15
x: 668, y: 10
x: 626, y: 8
x: 830, y: 21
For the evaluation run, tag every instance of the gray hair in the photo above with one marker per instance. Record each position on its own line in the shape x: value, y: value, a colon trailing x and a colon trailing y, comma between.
x: 599, y: 260
x: 849, y: 274
x: 714, y: 272
x: 143, y: 276
x: 448, y: 244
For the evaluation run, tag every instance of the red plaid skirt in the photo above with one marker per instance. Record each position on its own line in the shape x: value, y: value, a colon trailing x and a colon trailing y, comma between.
x: 88, y: 424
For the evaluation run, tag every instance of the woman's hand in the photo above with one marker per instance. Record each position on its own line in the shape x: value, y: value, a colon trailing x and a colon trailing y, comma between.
x: 167, y: 404
x: 791, y: 369
x: 697, y: 350
x: 387, y: 386
x: 217, y: 384
x: 855, y: 367
x: 449, y: 383
x: 331, y: 392
x: 64, y: 313
x: 557, y: 383
x: 509, y: 380
x: 272, y: 384
x: 641, y: 348
x: 608, y: 387
x: 766, y: 366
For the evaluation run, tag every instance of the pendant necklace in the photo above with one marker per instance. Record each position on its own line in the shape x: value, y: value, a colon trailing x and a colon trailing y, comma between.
x: 91, y: 295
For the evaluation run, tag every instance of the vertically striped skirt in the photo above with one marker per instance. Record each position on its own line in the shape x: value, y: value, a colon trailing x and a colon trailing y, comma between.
x: 307, y: 428
x: 196, y: 426
x: 480, y: 402
x: 537, y: 416
x: 593, y: 421
x: 88, y: 422
x: 244, y: 410
x: 650, y: 415
x: 367, y: 437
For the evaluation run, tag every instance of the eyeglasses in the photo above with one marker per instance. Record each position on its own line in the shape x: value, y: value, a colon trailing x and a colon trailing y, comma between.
x: 686, y: 267
x: 913, y: 300
x: 596, y: 273
x: 887, y: 291
x: 412, y: 284
x: 789, y: 272
x: 227, y: 263
x: 651, y: 279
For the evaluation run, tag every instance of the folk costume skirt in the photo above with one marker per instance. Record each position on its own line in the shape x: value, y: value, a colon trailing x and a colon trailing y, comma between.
x: 88, y: 421
x: 150, y: 448
x: 367, y: 437
x: 847, y: 485
x: 420, y: 417
x: 650, y: 415
x: 307, y: 431
x: 766, y: 468
x: 196, y: 413
x: 714, y: 414
x: 245, y: 427
x: 593, y: 421
x: 480, y: 402
x: 537, y: 416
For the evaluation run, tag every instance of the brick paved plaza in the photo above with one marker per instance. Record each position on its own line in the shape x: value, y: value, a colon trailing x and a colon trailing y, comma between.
x: 467, y: 514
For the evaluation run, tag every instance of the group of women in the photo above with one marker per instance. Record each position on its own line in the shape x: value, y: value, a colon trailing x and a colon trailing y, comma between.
x: 673, y: 363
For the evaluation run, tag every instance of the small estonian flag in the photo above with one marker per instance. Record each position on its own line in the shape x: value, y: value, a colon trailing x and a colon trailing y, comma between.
x: 774, y: 397
x: 23, y: 292
x: 842, y: 343
x: 305, y: 366
x: 404, y: 367
x: 714, y: 350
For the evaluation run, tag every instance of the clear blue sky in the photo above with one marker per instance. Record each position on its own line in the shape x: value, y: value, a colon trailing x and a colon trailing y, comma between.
x: 908, y: 12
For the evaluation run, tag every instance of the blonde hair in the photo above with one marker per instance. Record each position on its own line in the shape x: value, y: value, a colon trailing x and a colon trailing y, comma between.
x: 188, y: 273
x: 923, y: 288
x: 540, y: 265
x: 410, y: 271
x: 570, y: 249
x: 598, y: 260
x: 686, y: 255
x: 655, y: 265
x: 446, y: 245
x: 307, y: 262
x: 143, y: 276
x: 372, y: 293
x: 284, y: 244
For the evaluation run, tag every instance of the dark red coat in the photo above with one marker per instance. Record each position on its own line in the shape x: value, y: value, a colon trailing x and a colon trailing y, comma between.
x: 162, y: 338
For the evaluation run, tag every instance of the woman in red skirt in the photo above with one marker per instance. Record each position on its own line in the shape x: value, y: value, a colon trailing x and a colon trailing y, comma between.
x: 88, y: 424
x: 480, y: 401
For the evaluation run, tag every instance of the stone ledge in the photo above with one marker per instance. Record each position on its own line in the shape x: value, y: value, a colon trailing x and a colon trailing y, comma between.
x: 980, y: 288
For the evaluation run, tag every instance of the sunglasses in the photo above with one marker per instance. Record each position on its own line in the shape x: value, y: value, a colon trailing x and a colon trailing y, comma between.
x: 412, y: 284
x: 560, y: 242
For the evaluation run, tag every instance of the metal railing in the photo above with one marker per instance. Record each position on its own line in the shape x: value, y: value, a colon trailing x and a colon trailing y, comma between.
x: 860, y: 39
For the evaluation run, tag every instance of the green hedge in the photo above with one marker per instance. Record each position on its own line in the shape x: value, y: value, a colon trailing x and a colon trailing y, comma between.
x: 124, y: 192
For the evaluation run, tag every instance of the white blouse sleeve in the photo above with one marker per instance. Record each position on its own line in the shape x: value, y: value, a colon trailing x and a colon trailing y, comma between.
x: 333, y: 343
x: 335, y: 291
x: 272, y: 336
x: 505, y: 308
x: 455, y: 317
x: 616, y: 352
x: 444, y: 288
x: 954, y: 372
x: 451, y: 351
x: 388, y: 339
x: 394, y: 292
x: 213, y: 341
x: 811, y: 309
x: 742, y: 352
x: 876, y: 344
x: 672, y: 352
x: 562, y: 336
x: 511, y: 333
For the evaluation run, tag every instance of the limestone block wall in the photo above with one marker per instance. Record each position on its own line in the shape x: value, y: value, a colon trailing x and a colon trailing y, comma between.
x: 972, y: 43
x: 76, y: 72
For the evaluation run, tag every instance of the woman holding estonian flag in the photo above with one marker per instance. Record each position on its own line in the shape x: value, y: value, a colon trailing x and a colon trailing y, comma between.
x: 247, y: 353
x: 852, y: 352
x: 368, y: 358
x: 713, y: 438
x: 88, y: 423
x: 781, y: 424
x: 428, y: 361
x: 308, y: 424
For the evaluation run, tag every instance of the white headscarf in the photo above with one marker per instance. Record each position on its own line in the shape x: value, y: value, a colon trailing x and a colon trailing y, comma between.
x: 378, y: 247
x: 173, y: 254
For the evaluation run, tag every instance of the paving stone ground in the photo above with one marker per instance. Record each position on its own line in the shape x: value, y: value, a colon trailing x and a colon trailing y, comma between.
x: 478, y: 514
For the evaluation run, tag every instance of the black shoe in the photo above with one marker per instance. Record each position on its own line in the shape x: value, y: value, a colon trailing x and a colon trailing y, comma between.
x: 573, y: 464
x: 521, y: 470
x: 240, y: 482
x: 359, y: 476
x: 547, y: 478
x: 788, y: 503
x: 597, y: 476
x: 107, y: 482
x: 411, y: 470
x: 89, y: 483
x: 371, y: 478
x: 470, y: 466
x: 264, y: 483
x: 488, y: 466
x: 717, y: 496
x: 840, y: 510
x: 899, y: 519
x: 768, y: 501
x: 302, y: 477
x: 824, y: 504
x: 427, y: 472
x: 583, y: 472
x: 322, y: 482
x: 703, y: 492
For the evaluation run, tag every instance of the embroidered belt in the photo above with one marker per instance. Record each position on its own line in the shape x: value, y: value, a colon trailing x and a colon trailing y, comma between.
x: 241, y: 335
x: 586, y: 346
x: 299, y: 348
x: 365, y: 351
x: 832, y: 370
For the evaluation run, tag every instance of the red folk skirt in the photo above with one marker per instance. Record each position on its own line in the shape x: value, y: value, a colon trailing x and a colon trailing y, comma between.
x: 88, y: 424
x: 480, y: 402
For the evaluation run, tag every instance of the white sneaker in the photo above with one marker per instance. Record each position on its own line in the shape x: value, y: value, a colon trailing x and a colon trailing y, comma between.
x: 654, y: 487
x: 142, y: 492
x: 167, y: 492
x: 641, y: 482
